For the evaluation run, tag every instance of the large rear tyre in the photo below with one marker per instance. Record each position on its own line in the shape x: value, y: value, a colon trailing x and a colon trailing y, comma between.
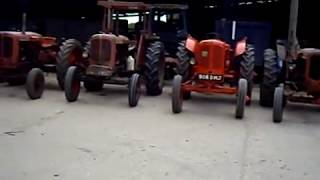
x: 278, y: 105
x: 70, y: 53
x: 271, y: 73
x: 93, y: 86
x: 134, y: 90
x: 247, y: 69
x: 184, y: 59
x: 154, y: 68
x: 35, y: 83
x: 177, y: 96
x: 241, y: 98
x: 72, y: 84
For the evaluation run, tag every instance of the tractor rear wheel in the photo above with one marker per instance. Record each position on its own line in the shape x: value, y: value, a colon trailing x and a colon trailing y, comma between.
x: 241, y: 98
x: 35, y: 83
x: 92, y: 86
x: 134, y: 90
x: 177, y: 96
x: 247, y: 69
x: 70, y: 53
x: 278, y: 105
x: 154, y: 68
x: 270, y: 78
x: 184, y: 58
x: 72, y: 84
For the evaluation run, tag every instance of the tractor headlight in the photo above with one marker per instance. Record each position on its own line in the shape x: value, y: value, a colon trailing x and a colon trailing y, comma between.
x: 204, y: 54
x: 192, y: 61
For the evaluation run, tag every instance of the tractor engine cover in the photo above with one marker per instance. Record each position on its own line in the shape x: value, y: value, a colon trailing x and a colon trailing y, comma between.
x: 102, y: 55
x: 211, y: 56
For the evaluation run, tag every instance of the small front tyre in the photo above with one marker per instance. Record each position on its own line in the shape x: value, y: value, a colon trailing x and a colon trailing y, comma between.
x: 278, y: 105
x: 177, y: 96
x: 72, y: 84
x: 35, y: 83
x: 134, y: 90
x: 241, y: 98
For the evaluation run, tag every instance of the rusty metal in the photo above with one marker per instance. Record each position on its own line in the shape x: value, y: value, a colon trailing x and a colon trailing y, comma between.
x: 124, y: 5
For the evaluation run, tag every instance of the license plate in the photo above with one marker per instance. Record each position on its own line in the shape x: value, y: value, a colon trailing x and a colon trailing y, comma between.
x: 210, y: 77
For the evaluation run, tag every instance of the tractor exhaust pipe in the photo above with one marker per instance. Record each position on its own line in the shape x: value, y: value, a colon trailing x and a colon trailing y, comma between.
x: 24, y: 23
x: 292, y: 34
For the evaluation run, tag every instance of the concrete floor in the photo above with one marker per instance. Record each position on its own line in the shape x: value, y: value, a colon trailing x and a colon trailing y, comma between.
x: 100, y: 137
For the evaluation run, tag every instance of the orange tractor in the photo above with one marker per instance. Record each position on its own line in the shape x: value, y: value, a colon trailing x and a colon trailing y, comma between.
x: 212, y: 67
x: 25, y: 56
x: 124, y: 53
x: 110, y: 57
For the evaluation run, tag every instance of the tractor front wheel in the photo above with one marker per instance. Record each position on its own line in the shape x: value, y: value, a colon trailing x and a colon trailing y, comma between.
x: 35, y: 83
x: 134, y: 90
x: 72, y: 84
x: 154, y: 68
x: 278, y: 105
x: 241, y: 98
x: 177, y: 96
x: 69, y: 55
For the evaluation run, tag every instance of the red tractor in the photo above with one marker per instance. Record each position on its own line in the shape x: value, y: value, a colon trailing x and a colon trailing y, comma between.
x: 113, y: 57
x: 291, y: 72
x: 212, y: 66
x: 23, y: 58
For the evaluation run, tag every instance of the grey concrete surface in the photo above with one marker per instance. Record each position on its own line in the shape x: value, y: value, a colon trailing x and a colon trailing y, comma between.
x: 100, y: 137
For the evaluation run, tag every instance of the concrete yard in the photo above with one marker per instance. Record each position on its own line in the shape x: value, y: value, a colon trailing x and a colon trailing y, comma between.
x: 100, y: 137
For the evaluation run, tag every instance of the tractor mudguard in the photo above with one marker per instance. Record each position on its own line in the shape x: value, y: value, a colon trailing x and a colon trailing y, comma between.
x: 240, y: 47
x: 191, y: 43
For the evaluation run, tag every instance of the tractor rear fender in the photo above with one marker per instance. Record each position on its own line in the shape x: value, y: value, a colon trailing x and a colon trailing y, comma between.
x: 240, y: 47
x: 191, y: 43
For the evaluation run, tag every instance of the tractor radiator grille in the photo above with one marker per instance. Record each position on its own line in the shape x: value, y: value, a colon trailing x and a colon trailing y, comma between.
x: 100, y: 51
x: 5, y: 46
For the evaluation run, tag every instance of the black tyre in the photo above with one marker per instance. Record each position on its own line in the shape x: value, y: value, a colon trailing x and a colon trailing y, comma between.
x: 134, y: 90
x: 72, y: 84
x: 247, y: 68
x: 184, y: 58
x: 177, y: 99
x: 241, y: 98
x: 92, y: 86
x: 35, y: 83
x: 270, y: 78
x: 154, y: 68
x: 70, y: 53
x: 278, y: 105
